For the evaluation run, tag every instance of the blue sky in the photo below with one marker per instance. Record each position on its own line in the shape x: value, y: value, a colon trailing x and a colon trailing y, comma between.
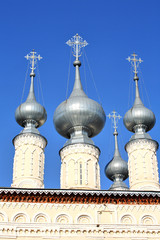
x: 114, y: 29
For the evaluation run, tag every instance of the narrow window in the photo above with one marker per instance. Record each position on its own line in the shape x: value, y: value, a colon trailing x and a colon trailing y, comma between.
x: 80, y: 173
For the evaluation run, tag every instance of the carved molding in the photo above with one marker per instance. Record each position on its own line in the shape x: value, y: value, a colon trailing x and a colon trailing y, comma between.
x: 63, y: 218
x: 84, y: 218
x: 128, y: 219
x: 148, y: 220
x: 41, y: 218
x: 21, y: 217
x: 93, y: 231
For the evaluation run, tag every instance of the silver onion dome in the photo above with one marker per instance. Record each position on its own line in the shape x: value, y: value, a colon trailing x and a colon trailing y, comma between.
x: 31, y: 114
x: 139, y: 119
x: 79, y: 118
x: 117, y: 169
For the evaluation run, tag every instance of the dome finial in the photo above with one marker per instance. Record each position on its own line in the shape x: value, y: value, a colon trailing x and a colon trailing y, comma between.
x: 32, y: 57
x: 117, y: 169
x: 77, y: 42
x: 114, y: 117
x: 138, y: 119
x: 31, y: 114
x: 134, y: 62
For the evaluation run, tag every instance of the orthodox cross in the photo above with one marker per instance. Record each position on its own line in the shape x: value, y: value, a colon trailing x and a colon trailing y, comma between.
x: 135, y: 62
x: 77, y: 42
x: 32, y: 57
x: 114, y: 117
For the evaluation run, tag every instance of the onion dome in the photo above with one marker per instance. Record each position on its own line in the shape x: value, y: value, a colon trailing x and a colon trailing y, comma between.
x: 78, y: 118
x: 117, y: 169
x: 31, y: 114
x: 139, y: 119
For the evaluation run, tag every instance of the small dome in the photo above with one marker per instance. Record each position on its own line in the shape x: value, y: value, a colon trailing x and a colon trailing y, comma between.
x: 117, y: 168
x: 31, y: 110
x: 79, y: 110
x: 139, y: 115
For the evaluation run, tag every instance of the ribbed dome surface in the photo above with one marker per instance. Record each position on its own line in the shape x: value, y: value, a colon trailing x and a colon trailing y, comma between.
x: 139, y: 115
x: 79, y: 111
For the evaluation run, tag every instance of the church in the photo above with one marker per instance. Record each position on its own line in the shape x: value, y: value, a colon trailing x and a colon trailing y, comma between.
x: 80, y: 209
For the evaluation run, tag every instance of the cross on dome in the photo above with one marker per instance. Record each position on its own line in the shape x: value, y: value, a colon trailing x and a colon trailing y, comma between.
x: 77, y: 42
x: 114, y: 116
x: 134, y: 62
x: 32, y: 57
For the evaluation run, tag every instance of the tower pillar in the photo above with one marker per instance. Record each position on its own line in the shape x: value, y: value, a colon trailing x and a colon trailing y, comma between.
x: 28, y: 168
x: 80, y: 167
x: 143, y: 165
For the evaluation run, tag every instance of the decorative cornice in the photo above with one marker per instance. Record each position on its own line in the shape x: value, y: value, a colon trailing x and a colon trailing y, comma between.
x: 79, y: 196
x: 33, y: 138
x: 82, y: 207
x: 80, y: 148
x: 146, y: 142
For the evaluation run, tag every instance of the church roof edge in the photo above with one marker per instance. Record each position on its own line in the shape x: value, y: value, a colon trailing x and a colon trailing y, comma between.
x: 79, y: 192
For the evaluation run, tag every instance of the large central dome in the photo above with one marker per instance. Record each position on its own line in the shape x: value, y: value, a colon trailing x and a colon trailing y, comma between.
x: 79, y: 111
x: 78, y: 118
